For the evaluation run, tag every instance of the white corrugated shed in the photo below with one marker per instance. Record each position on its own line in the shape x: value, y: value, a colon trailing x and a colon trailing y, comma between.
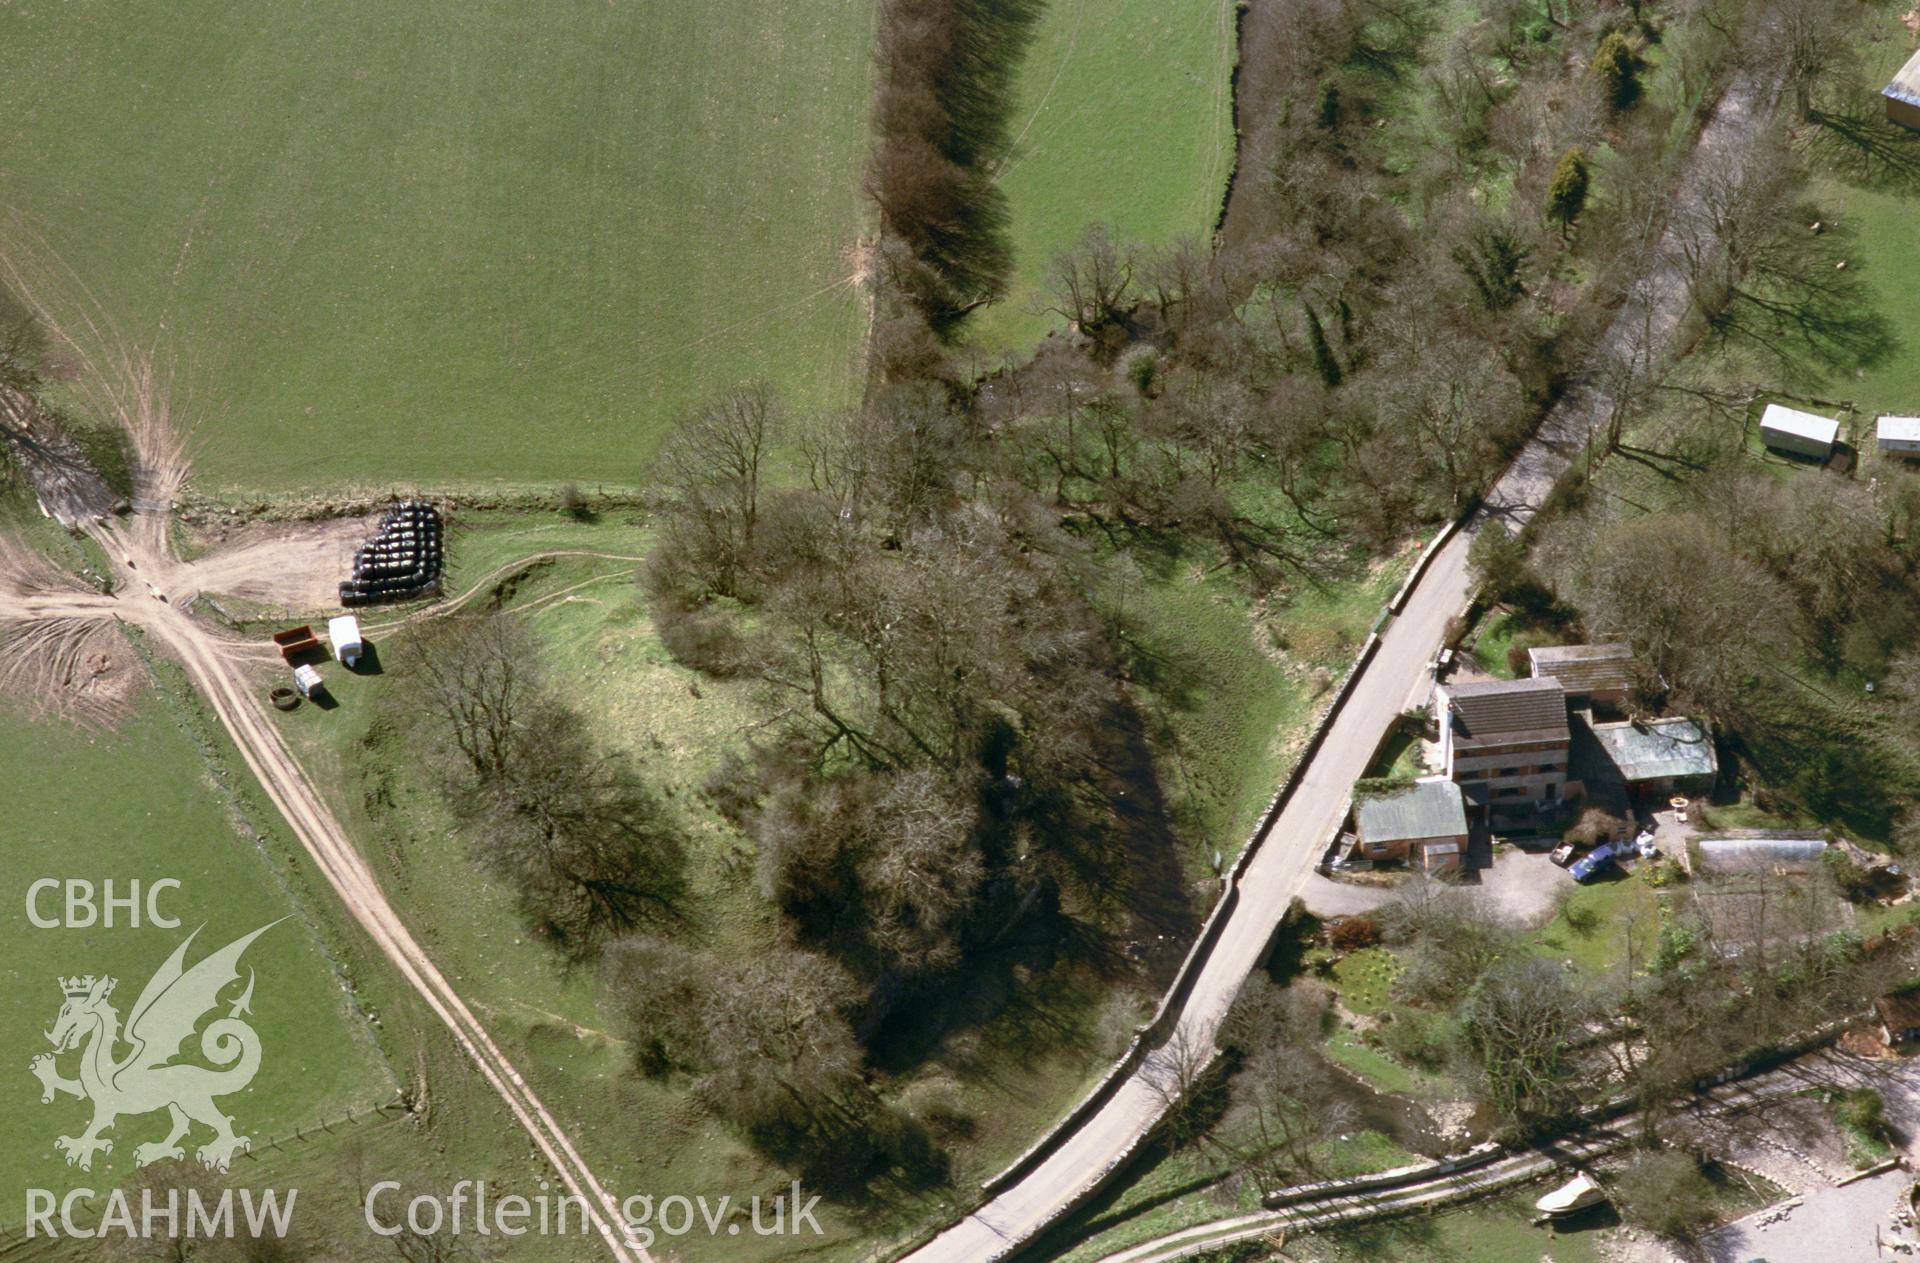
x: 1900, y: 434
x: 1794, y: 431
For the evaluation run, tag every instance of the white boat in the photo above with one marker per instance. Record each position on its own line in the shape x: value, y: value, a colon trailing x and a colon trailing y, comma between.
x: 1572, y: 1197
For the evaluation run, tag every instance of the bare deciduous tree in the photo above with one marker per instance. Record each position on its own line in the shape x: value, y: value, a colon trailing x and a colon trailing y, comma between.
x: 477, y: 675
x: 1092, y: 282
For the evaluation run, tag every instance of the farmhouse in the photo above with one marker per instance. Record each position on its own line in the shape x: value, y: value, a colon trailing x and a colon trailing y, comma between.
x: 1903, y: 96
x: 1504, y: 742
x: 1659, y: 758
x: 1899, y: 436
x: 1801, y: 433
x: 1423, y: 824
x: 1588, y: 673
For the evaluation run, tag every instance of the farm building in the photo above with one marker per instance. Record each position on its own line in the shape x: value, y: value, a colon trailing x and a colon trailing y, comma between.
x: 1802, y: 433
x: 1660, y: 758
x: 1903, y: 96
x: 1899, y: 1016
x: 1899, y: 436
x: 1504, y: 742
x: 1424, y: 824
x: 1587, y: 673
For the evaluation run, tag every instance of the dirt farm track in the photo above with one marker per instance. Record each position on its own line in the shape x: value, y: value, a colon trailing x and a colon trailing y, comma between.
x: 64, y: 638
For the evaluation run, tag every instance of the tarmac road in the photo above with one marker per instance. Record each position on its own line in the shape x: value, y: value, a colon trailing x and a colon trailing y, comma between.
x: 1641, y: 332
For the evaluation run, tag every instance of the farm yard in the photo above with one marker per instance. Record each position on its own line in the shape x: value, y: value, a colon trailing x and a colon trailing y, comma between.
x: 443, y: 245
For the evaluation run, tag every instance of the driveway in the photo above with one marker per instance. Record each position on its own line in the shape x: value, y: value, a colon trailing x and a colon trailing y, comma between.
x: 1832, y: 1225
x: 1521, y: 885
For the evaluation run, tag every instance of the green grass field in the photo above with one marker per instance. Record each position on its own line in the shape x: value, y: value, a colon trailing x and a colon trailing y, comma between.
x: 139, y: 804
x: 1124, y: 116
x: 1879, y: 198
x: 1234, y: 686
x: 444, y: 243
x: 1888, y: 243
x: 1484, y: 1232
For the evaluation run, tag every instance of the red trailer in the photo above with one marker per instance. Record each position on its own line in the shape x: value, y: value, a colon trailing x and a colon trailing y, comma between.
x: 295, y: 641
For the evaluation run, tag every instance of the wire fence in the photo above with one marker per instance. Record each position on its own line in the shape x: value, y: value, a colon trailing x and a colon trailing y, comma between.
x: 15, y: 1238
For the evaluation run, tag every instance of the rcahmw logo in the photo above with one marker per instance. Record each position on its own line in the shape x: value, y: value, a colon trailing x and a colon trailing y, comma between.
x: 145, y: 1081
x: 163, y: 1214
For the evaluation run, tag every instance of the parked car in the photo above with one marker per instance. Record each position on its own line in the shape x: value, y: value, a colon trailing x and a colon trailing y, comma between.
x: 1564, y: 853
x: 1598, y: 861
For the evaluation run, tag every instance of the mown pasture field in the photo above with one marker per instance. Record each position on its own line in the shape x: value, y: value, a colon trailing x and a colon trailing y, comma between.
x: 142, y: 803
x: 437, y: 243
x: 1873, y: 185
x: 1124, y: 115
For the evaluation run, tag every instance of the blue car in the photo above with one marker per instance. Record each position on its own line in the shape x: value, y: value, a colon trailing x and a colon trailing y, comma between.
x: 1597, y: 861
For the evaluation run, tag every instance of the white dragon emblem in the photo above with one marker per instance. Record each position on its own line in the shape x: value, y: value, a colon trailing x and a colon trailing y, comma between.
x: 161, y: 1021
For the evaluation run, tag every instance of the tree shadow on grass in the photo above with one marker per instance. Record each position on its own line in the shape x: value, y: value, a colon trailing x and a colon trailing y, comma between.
x: 1811, y: 311
x: 1863, y: 149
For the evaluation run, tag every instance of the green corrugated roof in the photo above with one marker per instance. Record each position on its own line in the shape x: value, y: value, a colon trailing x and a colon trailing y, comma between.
x: 1663, y: 748
x: 1425, y: 809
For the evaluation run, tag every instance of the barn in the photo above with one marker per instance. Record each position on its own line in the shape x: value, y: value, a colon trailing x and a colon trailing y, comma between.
x: 1424, y: 823
x: 1656, y: 759
x: 1899, y: 436
x: 1802, y: 433
x: 1903, y: 96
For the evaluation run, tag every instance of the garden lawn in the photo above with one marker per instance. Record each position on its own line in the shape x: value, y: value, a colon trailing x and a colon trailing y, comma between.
x: 1598, y: 924
x: 441, y: 243
x: 1483, y: 1232
x: 1364, y: 978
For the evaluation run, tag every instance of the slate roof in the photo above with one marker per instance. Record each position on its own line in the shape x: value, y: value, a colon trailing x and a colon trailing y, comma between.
x: 1491, y: 711
x: 1585, y: 669
x: 1663, y: 748
x: 1426, y: 809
